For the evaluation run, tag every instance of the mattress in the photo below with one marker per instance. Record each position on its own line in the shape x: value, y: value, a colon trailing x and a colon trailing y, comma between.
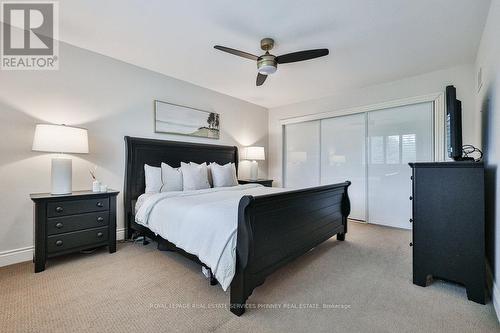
x: 202, y: 222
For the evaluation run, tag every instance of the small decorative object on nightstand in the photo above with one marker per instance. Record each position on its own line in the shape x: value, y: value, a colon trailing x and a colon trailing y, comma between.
x: 74, y: 222
x: 265, y: 182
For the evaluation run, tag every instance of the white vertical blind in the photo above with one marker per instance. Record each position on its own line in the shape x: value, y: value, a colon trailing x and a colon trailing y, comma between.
x: 302, y: 154
x: 397, y: 136
x: 343, y: 157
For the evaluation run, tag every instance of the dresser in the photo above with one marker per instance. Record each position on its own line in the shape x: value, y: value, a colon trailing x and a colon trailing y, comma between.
x: 449, y: 225
x: 73, y: 222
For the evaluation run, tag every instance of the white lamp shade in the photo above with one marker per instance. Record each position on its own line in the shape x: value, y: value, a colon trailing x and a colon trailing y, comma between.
x: 255, y: 153
x: 60, y: 139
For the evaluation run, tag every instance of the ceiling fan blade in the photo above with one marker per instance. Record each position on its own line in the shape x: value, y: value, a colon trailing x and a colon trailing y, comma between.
x: 260, y: 79
x: 301, y: 56
x: 236, y: 52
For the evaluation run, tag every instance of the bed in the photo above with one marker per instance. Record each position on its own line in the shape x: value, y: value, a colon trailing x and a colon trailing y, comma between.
x: 271, y: 228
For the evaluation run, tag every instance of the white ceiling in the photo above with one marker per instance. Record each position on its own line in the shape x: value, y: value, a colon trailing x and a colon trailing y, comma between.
x: 370, y: 41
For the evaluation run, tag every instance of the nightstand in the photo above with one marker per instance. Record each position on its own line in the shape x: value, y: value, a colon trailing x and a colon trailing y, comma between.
x: 265, y: 182
x: 73, y: 222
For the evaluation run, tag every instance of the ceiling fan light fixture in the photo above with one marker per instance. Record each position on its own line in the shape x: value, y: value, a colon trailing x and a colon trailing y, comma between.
x: 267, y: 69
x: 267, y: 64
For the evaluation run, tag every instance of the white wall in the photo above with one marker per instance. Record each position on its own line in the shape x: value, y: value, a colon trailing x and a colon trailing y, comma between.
x: 110, y: 98
x: 462, y: 77
x: 488, y: 102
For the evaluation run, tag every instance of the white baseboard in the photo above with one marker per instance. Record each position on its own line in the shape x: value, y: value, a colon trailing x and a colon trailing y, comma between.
x: 23, y: 254
x: 120, y: 234
x: 495, y: 299
x: 16, y: 256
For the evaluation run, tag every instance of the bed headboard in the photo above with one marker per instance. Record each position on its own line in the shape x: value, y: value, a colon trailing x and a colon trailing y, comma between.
x: 140, y: 151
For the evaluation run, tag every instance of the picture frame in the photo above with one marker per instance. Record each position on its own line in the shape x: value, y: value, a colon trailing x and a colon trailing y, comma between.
x: 183, y: 120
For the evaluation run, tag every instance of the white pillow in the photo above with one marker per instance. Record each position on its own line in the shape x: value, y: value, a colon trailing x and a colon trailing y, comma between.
x: 194, y: 176
x: 209, y: 173
x: 224, y: 175
x: 153, y: 179
x: 171, y: 177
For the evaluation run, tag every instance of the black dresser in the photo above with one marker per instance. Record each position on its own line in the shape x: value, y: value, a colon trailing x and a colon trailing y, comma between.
x: 448, y: 225
x: 74, y: 222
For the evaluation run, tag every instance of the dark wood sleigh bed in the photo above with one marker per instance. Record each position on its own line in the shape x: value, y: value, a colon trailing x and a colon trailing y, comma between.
x: 272, y: 229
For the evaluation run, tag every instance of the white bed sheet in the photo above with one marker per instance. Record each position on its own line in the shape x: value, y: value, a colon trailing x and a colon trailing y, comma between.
x: 141, y: 199
x: 201, y: 222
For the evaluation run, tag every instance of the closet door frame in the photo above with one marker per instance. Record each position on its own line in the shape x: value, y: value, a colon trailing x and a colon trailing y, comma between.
x: 439, y: 120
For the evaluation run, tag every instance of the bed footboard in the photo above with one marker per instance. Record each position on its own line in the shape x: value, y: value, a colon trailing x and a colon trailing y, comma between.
x: 277, y: 228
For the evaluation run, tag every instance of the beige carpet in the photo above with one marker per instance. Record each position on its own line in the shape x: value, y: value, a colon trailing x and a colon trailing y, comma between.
x: 366, y: 281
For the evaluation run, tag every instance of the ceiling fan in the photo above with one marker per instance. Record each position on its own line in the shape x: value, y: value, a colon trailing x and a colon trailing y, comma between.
x: 267, y: 63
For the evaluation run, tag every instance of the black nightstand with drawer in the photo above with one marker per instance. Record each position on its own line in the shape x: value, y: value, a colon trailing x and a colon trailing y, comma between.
x: 264, y: 182
x: 73, y: 222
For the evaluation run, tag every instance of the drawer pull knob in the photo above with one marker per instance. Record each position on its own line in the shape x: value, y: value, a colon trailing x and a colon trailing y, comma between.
x: 59, y: 225
x: 99, y: 234
x: 411, y: 220
x: 59, y: 209
x: 411, y: 244
x: 100, y: 219
x: 99, y: 204
x: 411, y: 198
x: 59, y: 242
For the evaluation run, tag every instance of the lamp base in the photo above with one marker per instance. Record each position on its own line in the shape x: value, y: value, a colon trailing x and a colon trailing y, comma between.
x: 254, y: 171
x: 61, y: 176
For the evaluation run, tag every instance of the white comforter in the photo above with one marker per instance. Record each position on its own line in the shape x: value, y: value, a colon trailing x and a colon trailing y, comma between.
x: 201, y: 222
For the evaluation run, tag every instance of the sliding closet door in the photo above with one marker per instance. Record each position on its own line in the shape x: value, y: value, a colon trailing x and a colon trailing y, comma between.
x: 302, y: 154
x: 343, y: 157
x: 396, y: 136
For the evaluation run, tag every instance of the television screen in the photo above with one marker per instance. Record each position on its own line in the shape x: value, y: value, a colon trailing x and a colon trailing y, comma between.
x: 453, y: 124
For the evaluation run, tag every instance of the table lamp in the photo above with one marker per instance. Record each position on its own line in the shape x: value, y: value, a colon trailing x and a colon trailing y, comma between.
x: 254, y: 154
x: 61, y: 139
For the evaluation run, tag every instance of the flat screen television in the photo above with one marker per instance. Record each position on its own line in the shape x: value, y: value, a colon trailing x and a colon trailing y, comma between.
x: 453, y: 124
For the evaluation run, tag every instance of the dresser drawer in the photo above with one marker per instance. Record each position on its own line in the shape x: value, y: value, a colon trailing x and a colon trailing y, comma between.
x: 59, y: 225
x: 77, y: 207
x: 75, y: 239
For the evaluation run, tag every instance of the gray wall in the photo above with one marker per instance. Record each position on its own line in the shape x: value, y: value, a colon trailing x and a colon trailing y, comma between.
x: 110, y: 98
